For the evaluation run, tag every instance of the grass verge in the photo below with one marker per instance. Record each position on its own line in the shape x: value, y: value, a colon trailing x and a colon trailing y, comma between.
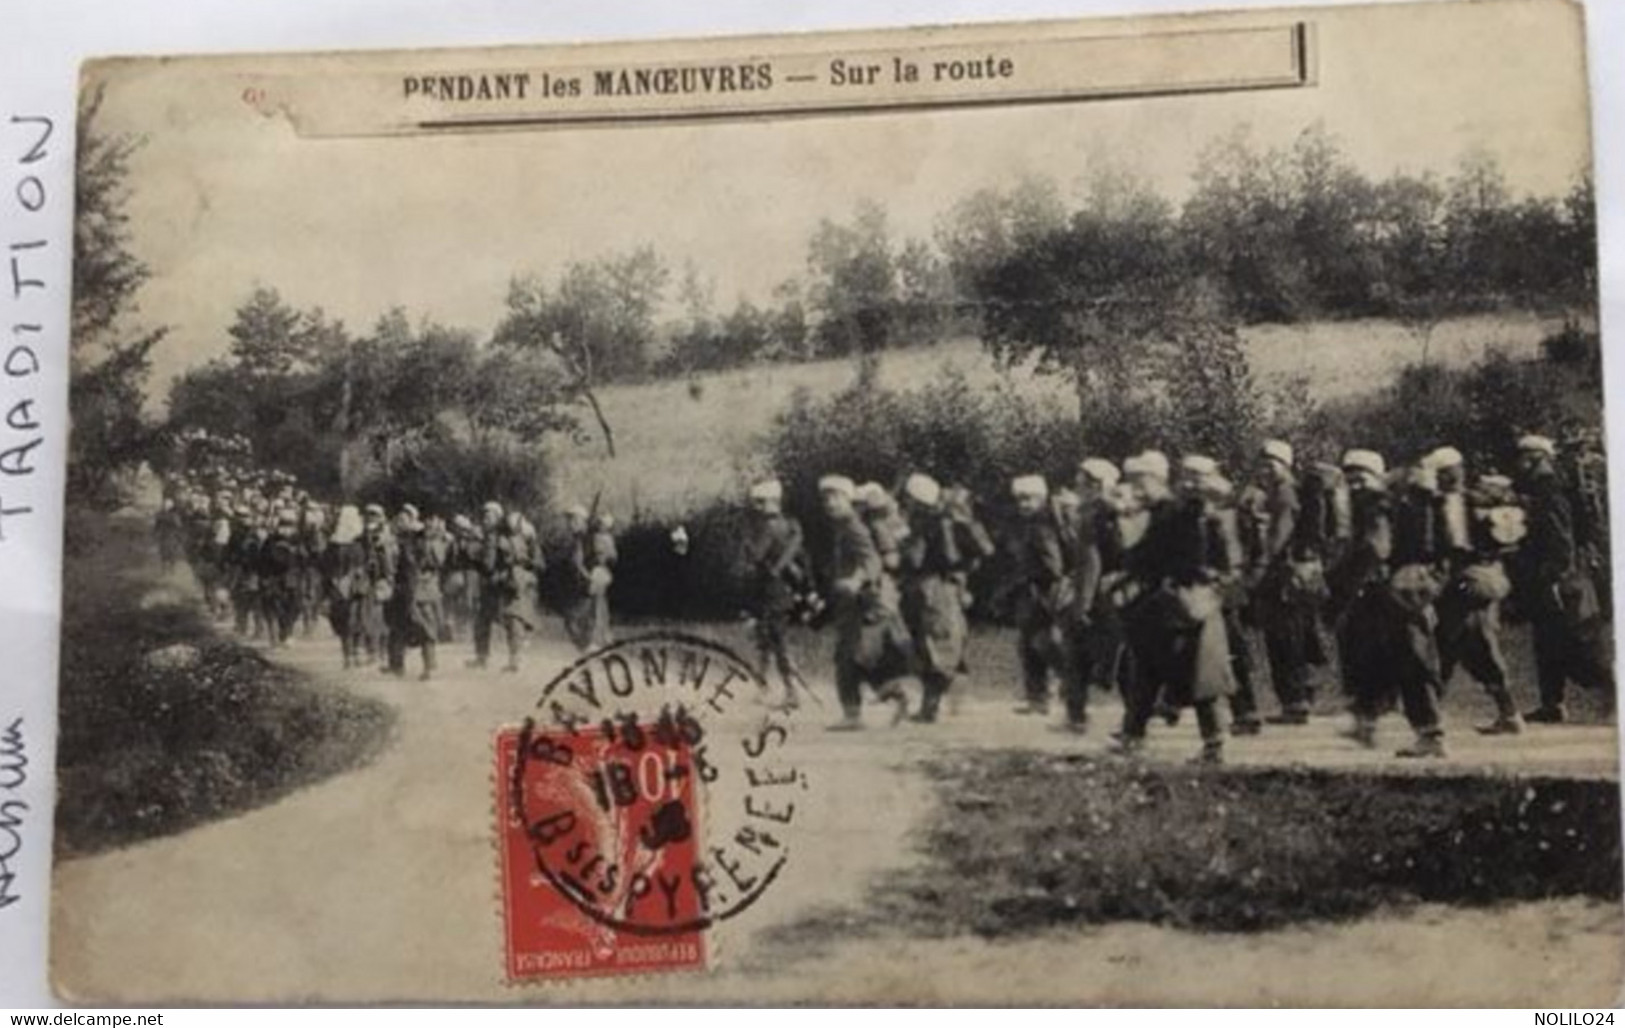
x: 152, y: 745
x: 1023, y: 842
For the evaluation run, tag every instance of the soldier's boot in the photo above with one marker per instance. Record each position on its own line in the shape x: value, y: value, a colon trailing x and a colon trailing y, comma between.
x: 793, y: 686
x: 851, y: 721
x: 893, y: 693
x: 1168, y: 712
x: 1244, y: 720
x: 1073, y: 725
x: 930, y: 700
x: 1428, y: 745
x: 1507, y: 719
x: 1544, y: 715
x: 1125, y: 745
x: 428, y: 663
x: 512, y: 665
x: 1212, y: 753
x: 1364, y: 732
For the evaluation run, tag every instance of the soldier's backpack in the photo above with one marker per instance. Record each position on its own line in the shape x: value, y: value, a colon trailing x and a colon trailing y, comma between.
x: 1585, y: 482
x: 1325, y: 511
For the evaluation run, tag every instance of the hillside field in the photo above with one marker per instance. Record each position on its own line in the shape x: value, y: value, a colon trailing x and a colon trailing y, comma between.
x: 683, y: 442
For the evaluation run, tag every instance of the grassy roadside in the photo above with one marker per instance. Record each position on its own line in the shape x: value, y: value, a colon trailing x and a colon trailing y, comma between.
x: 152, y: 745
x: 1022, y: 842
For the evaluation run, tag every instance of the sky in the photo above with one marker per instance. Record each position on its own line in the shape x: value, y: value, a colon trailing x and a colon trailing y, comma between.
x: 224, y: 200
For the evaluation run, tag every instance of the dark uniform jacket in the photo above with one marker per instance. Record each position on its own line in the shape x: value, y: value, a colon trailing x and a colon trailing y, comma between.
x: 1371, y: 543
x: 773, y: 557
x: 1042, y: 589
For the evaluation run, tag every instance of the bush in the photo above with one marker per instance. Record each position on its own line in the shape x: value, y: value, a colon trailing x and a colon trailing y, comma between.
x: 448, y: 476
x: 1574, y: 347
x: 1481, y: 410
x: 709, y: 583
x: 957, y: 433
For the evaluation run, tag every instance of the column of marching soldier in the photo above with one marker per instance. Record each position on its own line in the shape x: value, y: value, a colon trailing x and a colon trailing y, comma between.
x: 1142, y: 579
x: 273, y: 560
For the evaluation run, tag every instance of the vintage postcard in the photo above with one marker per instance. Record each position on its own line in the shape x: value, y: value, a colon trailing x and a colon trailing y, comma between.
x: 1104, y: 512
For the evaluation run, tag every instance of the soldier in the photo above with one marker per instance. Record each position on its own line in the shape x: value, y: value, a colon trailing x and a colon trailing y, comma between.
x: 169, y: 531
x: 212, y: 559
x: 878, y: 509
x: 605, y: 556
x: 1042, y: 592
x: 934, y: 558
x: 380, y: 555
x: 480, y: 555
x: 344, y: 576
x: 461, y: 589
x: 414, y: 611
x: 1288, y: 579
x: 776, y: 566
x: 279, y: 570
x: 1583, y: 468
x: 437, y: 537
x: 1476, y: 531
x: 1554, y: 589
x: 1226, y: 561
x: 591, y: 559
x: 511, y: 562
x: 1175, y: 621
x: 867, y: 622
x: 960, y: 506
x: 1093, y: 630
x: 1382, y: 593
x: 312, y: 542
x: 241, y: 576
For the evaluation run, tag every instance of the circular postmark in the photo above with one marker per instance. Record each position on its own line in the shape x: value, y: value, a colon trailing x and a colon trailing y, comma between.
x: 652, y: 790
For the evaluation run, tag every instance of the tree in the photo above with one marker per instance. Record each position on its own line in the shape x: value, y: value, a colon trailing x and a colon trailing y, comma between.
x: 790, y: 337
x: 854, y: 284
x: 925, y: 302
x: 1577, y: 246
x: 597, y: 323
x: 1333, y: 212
x: 514, y: 393
x: 1410, y: 240
x: 986, y: 227
x: 1242, y: 225
x: 109, y: 355
x: 268, y: 337
x: 1090, y: 299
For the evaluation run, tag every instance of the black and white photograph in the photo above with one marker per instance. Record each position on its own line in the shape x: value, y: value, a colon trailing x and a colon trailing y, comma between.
x: 1077, y: 513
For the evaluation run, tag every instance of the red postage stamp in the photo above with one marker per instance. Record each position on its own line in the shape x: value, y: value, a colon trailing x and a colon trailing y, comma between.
x: 599, y: 830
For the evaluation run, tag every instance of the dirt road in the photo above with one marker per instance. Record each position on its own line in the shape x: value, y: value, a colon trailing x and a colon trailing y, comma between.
x: 382, y: 884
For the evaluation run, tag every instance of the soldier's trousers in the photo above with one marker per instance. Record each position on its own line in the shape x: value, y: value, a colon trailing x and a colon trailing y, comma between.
x: 586, y: 621
x: 245, y: 605
x: 1388, y: 653
x: 280, y: 612
x: 1289, y: 641
x: 1243, y: 702
x: 1041, y: 651
x: 1470, y: 637
x: 486, y: 619
x: 1141, y: 704
x: 1096, y: 653
x: 1565, y: 653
